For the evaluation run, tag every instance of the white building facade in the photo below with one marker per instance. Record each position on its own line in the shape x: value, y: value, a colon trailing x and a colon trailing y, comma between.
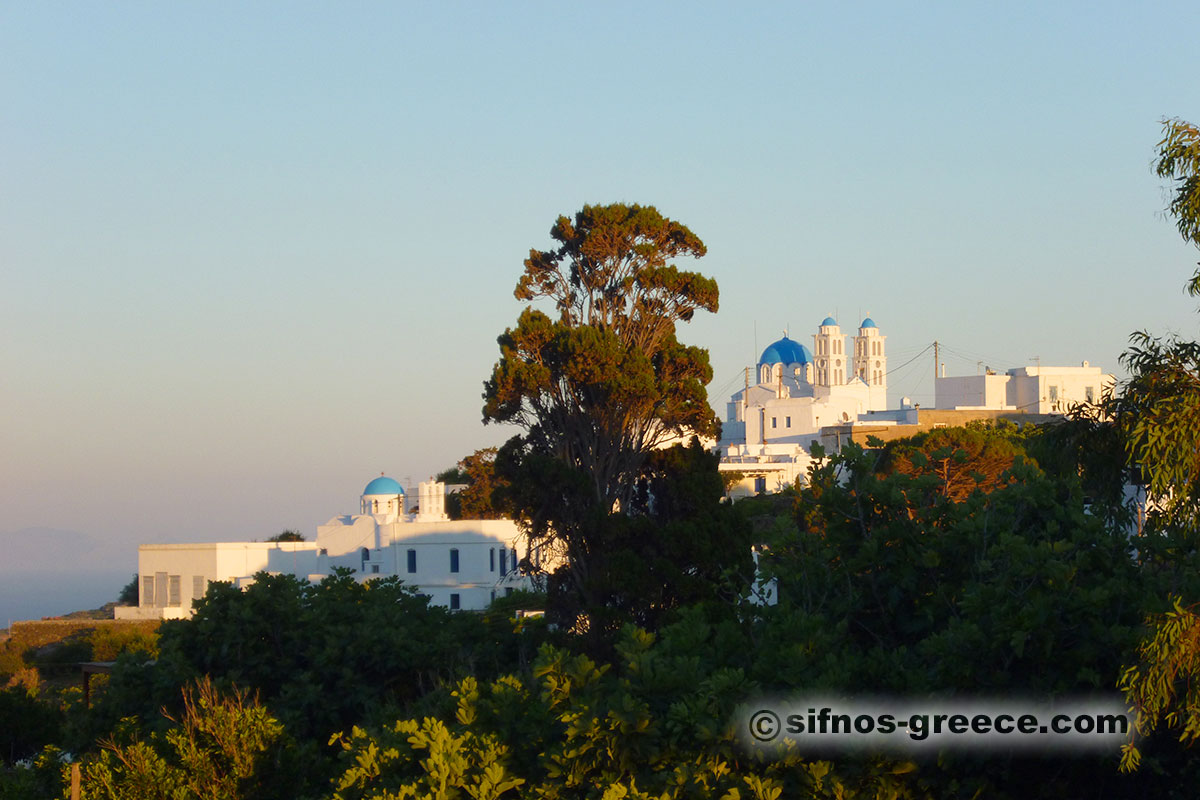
x: 460, y: 564
x: 1033, y: 390
x: 832, y: 394
x: 770, y: 424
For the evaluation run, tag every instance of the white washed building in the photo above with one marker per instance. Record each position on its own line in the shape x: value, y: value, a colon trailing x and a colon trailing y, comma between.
x: 460, y: 564
x: 1034, y: 390
x: 794, y: 393
x: 833, y: 394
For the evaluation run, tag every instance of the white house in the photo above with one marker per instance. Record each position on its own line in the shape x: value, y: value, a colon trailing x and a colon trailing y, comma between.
x: 460, y: 564
x: 1035, y: 390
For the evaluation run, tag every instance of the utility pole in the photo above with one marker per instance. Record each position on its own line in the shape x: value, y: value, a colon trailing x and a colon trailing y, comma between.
x: 746, y: 396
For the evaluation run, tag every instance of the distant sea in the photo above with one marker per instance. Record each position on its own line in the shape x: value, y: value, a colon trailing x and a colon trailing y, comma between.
x: 33, y: 594
x: 47, y: 572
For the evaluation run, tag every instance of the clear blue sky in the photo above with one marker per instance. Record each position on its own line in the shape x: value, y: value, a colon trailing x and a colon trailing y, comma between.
x: 252, y: 255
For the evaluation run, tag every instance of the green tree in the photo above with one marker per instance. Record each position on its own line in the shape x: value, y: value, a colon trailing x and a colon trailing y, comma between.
x: 224, y: 746
x: 889, y: 586
x: 597, y: 389
x: 129, y: 593
x: 654, y: 724
x: 287, y: 536
x: 28, y: 723
x: 1157, y: 415
x: 477, y: 500
x: 963, y: 459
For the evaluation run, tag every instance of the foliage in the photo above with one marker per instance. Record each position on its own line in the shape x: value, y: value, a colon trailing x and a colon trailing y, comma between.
x: 677, y: 544
x: 1162, y: 686
x: 109, y: 642
x: 26, y: 724
x: 322, y: 656
x: 129, y: 593
x: 655, y: 724
x: 35, y: 778
x: 1179, y: 161
x: 1158, y: 417
x: 477, y: 499
x: 224, y: 746
x: 964, y: 459
x: 931, y: 593
x: 599, y: 388
x: 889, y: 586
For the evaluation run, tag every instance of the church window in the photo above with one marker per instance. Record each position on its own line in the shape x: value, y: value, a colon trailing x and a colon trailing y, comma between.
x: 455, y: 603
x: 412, y: 561
x: 454, y: 559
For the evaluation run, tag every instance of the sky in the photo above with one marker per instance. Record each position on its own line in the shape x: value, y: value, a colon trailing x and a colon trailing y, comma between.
x: 252, y: 255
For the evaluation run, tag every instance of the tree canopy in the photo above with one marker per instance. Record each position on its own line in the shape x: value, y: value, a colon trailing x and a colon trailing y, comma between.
x: 1157, y: 415
x: 607, y: 381
x: 477, y: 499
x: 603, y: 384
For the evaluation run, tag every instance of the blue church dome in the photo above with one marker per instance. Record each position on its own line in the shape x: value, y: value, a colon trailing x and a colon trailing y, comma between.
x: 383, y: 485
x: 829, y: 321
x: 786, y: 351
x: 868, y: 323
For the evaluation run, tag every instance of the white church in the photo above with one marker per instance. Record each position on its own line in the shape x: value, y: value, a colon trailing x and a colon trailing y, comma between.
x: 460, y: 564
x: 832, y: 394
x: 770, y: 423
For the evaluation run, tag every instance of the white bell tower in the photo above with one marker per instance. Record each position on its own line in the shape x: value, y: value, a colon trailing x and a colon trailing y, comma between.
x: 829, y: 347
x: 870, y: 362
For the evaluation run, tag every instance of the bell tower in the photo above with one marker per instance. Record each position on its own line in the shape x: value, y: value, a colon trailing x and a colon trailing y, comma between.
x: 870, y: 361
x: 829, y: 346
